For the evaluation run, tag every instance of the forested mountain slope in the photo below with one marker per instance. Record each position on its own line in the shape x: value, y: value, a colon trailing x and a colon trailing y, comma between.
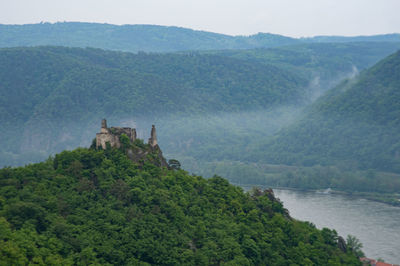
x: 217, y: 113
x: 324, y: 64
x: 152, y: 38
x: 50, y: 94
x: 91, y: 206
x: 222, y: 142
x: 357, y: 125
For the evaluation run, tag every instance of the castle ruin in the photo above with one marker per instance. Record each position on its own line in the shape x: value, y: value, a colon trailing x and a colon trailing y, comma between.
x: 112, y: 136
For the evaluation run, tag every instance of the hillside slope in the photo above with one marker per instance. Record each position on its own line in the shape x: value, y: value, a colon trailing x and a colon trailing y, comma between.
x: 357, y: 125
x: 323, y: 64
x: 50, y: 94
x: 92, y: 206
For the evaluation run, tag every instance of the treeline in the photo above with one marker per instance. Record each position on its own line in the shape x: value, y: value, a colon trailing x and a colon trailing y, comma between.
x: 153, y: 38
x: 300, y: 177
x: 324, y: 64
x: 92, y: 206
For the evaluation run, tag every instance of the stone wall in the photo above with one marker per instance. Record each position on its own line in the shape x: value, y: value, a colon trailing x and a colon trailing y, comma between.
x: 112, y: 135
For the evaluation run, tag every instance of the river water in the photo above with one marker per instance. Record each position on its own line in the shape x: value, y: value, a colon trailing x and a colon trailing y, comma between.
x: 376, y: 225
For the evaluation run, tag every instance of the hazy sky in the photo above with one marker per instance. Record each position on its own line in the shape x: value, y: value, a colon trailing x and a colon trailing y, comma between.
x: 287, y: 17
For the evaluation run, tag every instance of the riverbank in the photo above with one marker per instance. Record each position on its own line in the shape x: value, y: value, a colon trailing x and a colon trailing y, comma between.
x: 387, y: 198
x: 375, y: 224
x: 391, y: 199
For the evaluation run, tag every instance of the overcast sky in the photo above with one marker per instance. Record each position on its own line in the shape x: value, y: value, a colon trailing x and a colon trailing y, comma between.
x: 295, y: 18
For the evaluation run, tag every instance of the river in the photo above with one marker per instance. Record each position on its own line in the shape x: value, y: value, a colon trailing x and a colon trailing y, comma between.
x: 376, y: 225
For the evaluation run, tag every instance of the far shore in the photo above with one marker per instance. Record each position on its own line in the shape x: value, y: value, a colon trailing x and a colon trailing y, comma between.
x: 387, y: 198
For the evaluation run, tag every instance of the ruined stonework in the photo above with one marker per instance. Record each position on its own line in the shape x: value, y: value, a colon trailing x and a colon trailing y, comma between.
x: 112, y: 135
x: 153, y: 137
x: 137, y: 153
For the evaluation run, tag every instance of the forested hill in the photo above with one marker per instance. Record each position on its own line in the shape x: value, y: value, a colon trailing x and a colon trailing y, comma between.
x: 152, y: 38
x: 92, y: 206
x: 327, y: 63
x: 357, y: 124
x: 49, y: 95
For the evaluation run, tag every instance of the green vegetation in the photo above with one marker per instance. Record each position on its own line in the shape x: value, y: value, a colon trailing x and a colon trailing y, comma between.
x: 218, y: 111
x: 369, y: 184
x: 49, y: 95
x: 347, y: 140
x: 355, y: 245
x: 324, y: 64
x: 92, y: 206
x: 355, y: 126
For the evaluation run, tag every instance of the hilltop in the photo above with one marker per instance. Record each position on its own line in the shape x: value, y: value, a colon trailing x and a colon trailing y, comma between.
x: 98, y: 206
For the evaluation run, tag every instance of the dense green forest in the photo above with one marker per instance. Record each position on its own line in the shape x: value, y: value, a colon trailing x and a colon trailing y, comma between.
x: 216, y: 111
x: 248, y: 108
x: 52, y: 97
x: 354, y: 126
x: 325, y: 64
x: 49, y: 95
x: 152, y: 38
x: 244, y: 154
x: 91, y: 206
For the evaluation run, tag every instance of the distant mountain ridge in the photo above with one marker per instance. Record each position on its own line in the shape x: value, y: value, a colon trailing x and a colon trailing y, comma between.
x: 152, y: 38
x: 392, y: 37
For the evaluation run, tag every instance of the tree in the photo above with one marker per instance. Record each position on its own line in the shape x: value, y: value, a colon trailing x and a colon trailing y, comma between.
x: 125, y: 142
x: 174, y: 164
x: 354, y: 244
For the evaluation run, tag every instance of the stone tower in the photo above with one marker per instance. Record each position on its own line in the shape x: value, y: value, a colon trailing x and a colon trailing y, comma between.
x: 103, y: 126
x: 153, y: 137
